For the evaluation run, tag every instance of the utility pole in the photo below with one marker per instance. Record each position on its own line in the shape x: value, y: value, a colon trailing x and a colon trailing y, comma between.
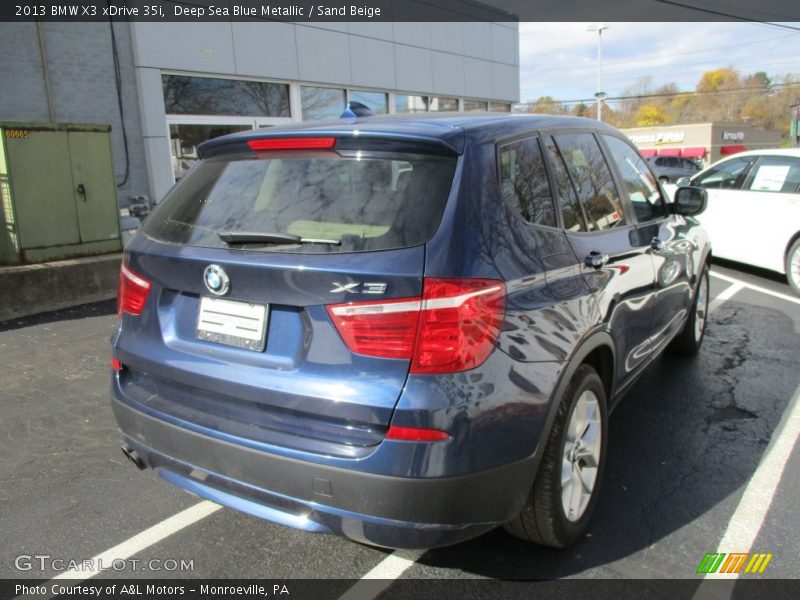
x: 599, y: 95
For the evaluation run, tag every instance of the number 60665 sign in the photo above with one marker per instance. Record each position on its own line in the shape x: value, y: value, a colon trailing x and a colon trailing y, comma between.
x: 17, y: 133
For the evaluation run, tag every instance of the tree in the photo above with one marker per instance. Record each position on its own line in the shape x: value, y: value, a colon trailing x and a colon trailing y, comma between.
x: 547, y: 105
x: 651, y: 114
x: 579, y: 110
x: 629, y: 108
x: 718, y: 79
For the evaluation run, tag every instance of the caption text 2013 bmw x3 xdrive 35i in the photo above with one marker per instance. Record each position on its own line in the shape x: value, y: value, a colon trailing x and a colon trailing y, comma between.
x: 404, y: 330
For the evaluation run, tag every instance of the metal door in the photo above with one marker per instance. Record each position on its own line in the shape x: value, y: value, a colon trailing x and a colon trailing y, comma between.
x: 93, y: 186
x: 41, y: 181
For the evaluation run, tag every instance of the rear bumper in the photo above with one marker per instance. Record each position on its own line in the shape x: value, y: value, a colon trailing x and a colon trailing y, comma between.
x: 371, y: 508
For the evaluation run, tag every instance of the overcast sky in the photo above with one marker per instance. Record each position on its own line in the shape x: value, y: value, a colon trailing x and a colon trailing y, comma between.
x: 560, y: 59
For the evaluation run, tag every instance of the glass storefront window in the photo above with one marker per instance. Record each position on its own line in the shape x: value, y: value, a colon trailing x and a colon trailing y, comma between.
x: 472, y: 105
x: 321, y: 103
x: 500, y: 107
x: 377, y: 102
x: 444, y: 104
x: 184, y: 139
x: 405, y: 103
x: 210, y: 96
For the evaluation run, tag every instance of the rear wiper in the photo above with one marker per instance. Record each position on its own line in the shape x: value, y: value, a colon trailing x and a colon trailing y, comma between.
x: 257, y: 237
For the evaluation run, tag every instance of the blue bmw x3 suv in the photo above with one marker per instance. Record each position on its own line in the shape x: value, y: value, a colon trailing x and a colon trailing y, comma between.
x: 404, y: 330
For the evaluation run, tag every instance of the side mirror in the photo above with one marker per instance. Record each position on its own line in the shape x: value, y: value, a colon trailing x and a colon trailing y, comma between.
x: 689, y: 201
x: 682, y: 182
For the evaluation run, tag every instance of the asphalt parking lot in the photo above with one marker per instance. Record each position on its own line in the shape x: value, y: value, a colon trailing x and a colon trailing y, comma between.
x: 683, y: 475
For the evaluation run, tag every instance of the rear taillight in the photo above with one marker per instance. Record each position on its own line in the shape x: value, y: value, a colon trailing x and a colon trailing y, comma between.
x: 133, y: 291
x: 116, y: 365
x: 459, y: 324
x: 386, y: 329
x: 452, y: 327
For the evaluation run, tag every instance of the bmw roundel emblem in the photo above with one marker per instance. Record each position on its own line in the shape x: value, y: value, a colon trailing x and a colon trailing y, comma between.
x: 216, y: 280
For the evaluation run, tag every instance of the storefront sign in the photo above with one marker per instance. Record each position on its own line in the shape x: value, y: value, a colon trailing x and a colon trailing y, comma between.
x: 732, y: 136
x: 660, y: 137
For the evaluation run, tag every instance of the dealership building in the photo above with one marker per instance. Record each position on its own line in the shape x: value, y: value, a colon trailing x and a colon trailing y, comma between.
x: 150, y: 92
x: 703, y: 142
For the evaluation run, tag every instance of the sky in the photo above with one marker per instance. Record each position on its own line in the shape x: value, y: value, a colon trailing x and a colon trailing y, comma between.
x: 560, y: 59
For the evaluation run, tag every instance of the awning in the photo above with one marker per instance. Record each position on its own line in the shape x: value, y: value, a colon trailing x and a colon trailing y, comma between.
x: 669, y: 151
x: 693, y: 152
x: 728, y: 150
x: 648, y: 152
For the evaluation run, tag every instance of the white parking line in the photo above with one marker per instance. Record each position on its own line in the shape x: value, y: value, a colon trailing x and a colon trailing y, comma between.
x: 752, y: 510
x: 140, y: 541
x: 739, y: 536
x: 381, y: 575
x: 756, y: 288
x: 724, y: 295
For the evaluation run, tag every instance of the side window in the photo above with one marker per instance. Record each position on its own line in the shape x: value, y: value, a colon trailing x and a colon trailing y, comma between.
x: 727, y: 175
x: 592, y: 180
x: 637, y: 179
x: 571, y: 212
x: 524, y: 184
x: 774, y: 174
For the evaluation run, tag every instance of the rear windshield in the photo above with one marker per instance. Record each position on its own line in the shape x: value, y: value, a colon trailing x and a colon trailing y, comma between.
x: 332, y: 203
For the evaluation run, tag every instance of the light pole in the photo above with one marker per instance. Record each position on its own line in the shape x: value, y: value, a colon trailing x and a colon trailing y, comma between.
x: 599, y: 94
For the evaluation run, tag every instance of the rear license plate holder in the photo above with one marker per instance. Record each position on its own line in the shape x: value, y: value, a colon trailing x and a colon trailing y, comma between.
x: 232, y: 323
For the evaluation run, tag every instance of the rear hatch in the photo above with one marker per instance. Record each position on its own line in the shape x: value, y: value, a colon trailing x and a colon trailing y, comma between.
x: 243, y: 261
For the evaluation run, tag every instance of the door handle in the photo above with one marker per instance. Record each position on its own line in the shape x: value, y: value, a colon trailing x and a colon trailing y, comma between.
x: 595, y: 259
x: 656, y: 244
x: 82, y: 191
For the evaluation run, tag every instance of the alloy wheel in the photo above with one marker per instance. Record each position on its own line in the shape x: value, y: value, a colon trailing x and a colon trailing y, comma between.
x: 701, y: 308
x: 581, y: 455
x: 794, y: 268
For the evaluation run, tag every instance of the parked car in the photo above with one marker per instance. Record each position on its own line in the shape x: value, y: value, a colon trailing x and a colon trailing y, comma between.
x: 753, y: 213
x: 404, y: 330
x: 668, y: 169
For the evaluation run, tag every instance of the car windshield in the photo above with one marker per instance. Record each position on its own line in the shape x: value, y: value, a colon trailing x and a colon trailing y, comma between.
x: 310, y: 204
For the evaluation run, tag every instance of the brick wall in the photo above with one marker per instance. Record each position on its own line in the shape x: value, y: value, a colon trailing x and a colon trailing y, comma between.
x: 81, y: 71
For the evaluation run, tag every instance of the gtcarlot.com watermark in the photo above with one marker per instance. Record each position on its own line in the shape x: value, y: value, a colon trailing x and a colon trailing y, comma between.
x: 47, y: 562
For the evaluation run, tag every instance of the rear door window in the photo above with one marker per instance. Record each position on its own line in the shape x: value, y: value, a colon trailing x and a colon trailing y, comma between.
x: 524, y: 183
x: 334, y: 203
x: 568, y: 203
x: 775, y: 174
x: 592, y: 180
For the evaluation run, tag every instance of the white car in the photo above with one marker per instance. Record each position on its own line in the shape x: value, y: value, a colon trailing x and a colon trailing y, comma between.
x: 753, y: 212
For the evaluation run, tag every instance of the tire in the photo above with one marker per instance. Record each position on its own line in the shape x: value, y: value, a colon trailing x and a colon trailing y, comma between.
x: 689, y: 340
x: 793, y: 266
x: 545, y: 517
